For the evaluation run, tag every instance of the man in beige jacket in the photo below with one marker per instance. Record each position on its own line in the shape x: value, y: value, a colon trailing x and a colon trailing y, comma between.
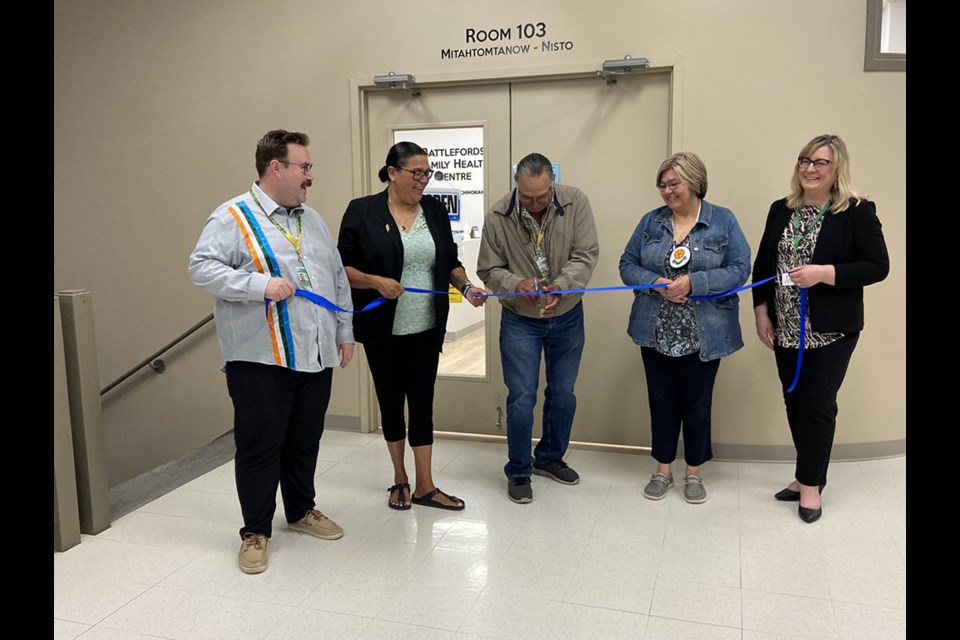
x: 539, y: 238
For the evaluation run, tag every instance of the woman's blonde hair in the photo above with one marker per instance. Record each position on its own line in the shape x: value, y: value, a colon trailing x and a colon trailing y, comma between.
x: 691, y: 170
x: 842, y: 191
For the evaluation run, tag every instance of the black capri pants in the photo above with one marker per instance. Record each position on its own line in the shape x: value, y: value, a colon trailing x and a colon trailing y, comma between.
x: 680, y: 393
x: 405, y: 369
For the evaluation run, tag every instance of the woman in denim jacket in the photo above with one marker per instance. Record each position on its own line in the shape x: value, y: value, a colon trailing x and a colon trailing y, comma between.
x: 696, y: 249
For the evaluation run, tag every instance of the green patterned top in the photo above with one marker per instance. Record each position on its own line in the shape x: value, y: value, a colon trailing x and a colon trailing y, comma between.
x: 415, y: 311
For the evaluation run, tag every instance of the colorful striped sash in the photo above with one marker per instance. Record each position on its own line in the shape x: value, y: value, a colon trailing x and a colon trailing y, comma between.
x: 278, y: 318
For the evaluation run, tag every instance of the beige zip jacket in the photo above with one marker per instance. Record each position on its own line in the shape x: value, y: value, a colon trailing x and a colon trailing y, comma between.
x: 507, y: 253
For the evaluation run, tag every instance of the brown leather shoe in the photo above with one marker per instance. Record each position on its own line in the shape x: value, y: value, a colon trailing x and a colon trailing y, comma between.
x: 253, y: 553
x: 317, y: 524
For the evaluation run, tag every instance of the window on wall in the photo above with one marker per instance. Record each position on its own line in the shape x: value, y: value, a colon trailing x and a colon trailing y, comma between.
x: 886, y: 41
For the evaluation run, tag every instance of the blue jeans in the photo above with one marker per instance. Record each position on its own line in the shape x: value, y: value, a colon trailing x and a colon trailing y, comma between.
x: 521, y: 341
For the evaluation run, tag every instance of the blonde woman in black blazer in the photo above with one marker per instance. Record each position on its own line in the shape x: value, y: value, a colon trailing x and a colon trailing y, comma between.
x: 389, y: 241
x: 829, y: 241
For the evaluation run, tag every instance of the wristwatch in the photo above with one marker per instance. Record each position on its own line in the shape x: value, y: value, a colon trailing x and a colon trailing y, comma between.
x: 466, y: 287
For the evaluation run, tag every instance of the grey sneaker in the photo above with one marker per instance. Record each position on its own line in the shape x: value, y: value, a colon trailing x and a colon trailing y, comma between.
x: 520, y: 490
x: 558, y: 470
x: 658, y: 486
x: 693, y: 489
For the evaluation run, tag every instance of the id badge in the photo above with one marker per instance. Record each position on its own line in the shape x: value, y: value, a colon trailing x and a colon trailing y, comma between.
x: 303, y: 278
x: 785, y: 280
x: 543, y: 266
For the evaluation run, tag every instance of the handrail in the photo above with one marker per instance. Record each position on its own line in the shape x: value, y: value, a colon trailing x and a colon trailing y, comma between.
x: 158, y: 366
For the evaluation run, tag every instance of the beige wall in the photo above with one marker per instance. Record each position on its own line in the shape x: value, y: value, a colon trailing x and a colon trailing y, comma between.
x: 158, y: 105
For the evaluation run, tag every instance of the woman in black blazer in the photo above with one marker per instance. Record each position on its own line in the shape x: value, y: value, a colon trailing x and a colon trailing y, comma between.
x: 827, y: 239
x: 389, y: 241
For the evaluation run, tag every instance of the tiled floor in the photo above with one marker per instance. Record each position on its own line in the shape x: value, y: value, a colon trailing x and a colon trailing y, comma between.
x: 464, y: 357
x: 592, y: 561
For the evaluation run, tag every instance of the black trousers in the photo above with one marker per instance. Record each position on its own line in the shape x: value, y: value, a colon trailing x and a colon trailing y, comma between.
x: 680, y: 392
x: 812, y: 406
x: 278, y: 418
x: 405, y: 370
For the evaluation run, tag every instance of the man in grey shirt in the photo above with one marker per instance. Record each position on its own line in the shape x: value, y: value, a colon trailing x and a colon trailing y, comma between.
x: 278, y: 351
x: 539, y: 238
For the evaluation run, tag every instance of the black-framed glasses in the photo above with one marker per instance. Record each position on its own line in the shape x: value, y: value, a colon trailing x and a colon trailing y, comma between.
x: 541, y: 199
x: 418, y: 174
x: 307, y: 167
x: 818, y: 164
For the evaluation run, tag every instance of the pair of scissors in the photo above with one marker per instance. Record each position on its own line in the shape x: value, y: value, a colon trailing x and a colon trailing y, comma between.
x: 538, y: 289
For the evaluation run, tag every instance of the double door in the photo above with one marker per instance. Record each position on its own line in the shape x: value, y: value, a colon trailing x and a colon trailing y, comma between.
x: 609, y: 140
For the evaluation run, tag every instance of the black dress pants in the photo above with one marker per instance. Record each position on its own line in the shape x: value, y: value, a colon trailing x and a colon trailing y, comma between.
x: 812, y: 406
x: 278, y: 416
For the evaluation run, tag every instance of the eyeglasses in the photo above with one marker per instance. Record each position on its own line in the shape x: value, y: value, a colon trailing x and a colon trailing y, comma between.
x: 670, y: 186
x: 306, y: 166
x: 541, y: 199
x: 818, y: 164
x: 419, y: 174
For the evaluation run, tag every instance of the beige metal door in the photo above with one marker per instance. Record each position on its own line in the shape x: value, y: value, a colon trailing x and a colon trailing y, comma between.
x: 609, y: 141
x: 464, y: 402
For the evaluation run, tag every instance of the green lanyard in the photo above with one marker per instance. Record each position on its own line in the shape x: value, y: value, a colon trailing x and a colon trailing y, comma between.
x: 799, y: 232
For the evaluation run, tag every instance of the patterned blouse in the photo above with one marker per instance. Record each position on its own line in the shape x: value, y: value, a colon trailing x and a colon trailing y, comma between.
x: 415, y: 312
x: 787, y: 299
x: 677, y: 333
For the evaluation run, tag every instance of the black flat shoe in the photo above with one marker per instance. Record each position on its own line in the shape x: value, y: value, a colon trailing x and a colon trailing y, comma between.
x: 810, y: 515
x: 789, y: 495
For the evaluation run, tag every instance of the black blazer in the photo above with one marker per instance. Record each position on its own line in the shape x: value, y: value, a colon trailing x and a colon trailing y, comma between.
x: 851, y: 241
x: 370, y: 242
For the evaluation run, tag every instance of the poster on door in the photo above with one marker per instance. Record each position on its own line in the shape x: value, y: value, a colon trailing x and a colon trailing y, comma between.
x: 456, y: 157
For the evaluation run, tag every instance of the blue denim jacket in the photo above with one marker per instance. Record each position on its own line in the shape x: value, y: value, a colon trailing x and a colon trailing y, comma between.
x: 720, y: 261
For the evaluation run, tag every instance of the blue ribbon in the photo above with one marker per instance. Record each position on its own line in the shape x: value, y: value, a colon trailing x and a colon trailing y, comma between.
x: 803, y: 331
x: 326, y: 304
x: 323, y: 302
x: 432, y: 291
x: 733, y: 291
x: 587, y: 290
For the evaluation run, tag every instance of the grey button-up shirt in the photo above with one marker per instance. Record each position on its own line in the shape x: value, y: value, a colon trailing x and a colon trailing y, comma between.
x: 239, y: 250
